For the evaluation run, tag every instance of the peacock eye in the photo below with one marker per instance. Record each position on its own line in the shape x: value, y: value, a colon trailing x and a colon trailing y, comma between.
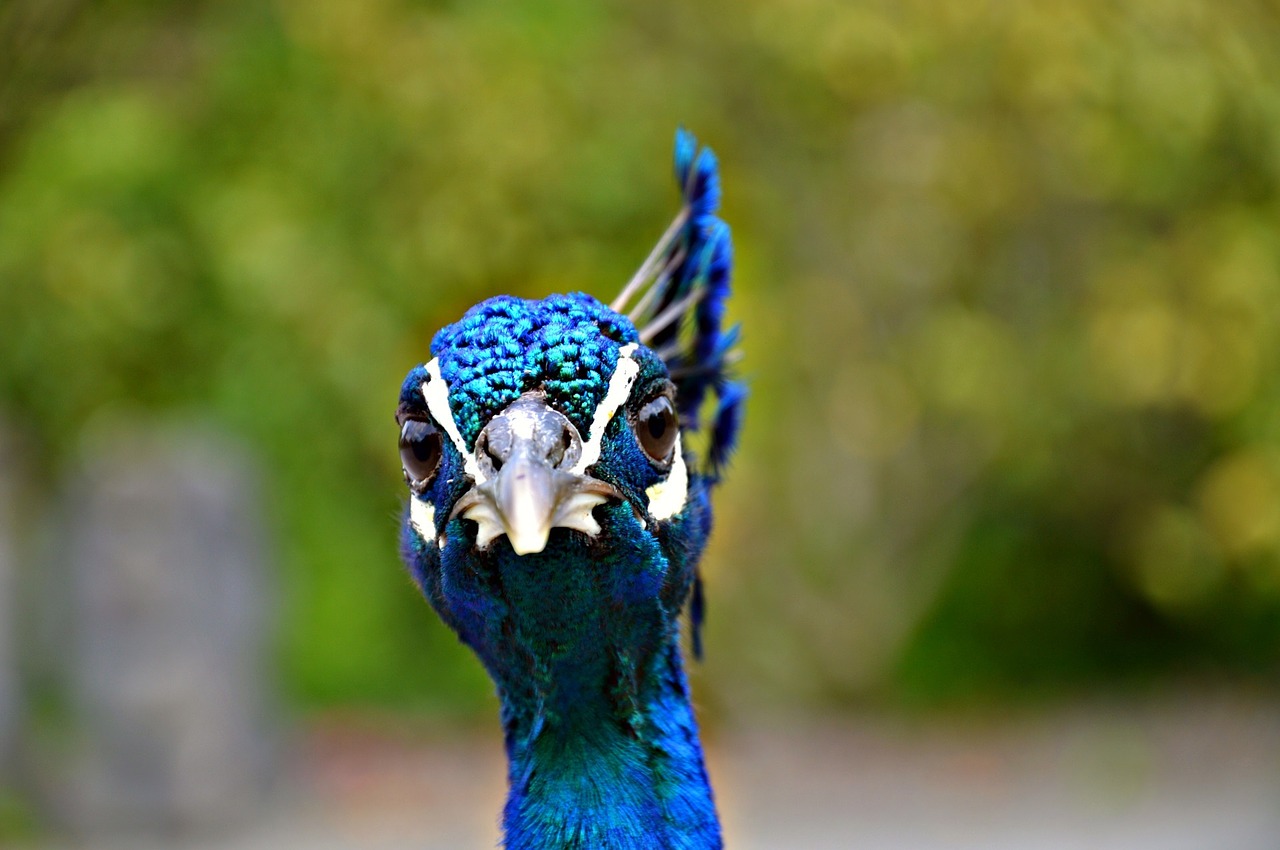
x: 420, y: 451
x: 657, y: 427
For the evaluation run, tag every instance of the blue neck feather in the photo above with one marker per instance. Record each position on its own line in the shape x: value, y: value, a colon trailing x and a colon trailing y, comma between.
x: 601, y: 738
x: 595, y: 779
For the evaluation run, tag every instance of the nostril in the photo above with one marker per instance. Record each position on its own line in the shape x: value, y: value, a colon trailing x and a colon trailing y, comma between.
x: 569, y: 447
x: 559, y: 448
x: 487, y: 451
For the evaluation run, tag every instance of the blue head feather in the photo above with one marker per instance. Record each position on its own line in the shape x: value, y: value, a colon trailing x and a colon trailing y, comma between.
x: 728, y: 424
x: 698, y: 174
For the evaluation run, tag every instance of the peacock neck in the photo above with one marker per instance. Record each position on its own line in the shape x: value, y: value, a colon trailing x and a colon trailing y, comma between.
x: 608, y: 782
x: 602, y: 743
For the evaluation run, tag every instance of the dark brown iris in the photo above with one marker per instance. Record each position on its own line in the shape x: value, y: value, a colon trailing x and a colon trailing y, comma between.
x: 657, y: 428
x: 421, y: 447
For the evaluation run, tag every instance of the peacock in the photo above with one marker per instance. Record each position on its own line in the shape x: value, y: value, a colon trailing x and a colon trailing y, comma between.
x: 556, y: 518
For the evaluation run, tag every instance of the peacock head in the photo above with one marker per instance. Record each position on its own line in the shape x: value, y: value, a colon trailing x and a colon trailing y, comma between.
x: 549, y: 439
x: 530, y: 416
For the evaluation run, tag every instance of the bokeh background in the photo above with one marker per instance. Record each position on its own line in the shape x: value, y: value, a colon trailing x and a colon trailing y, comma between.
x: 1009, y: 275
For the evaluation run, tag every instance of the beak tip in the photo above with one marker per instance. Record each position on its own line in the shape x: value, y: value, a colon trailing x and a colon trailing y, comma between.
x: 527, y: 543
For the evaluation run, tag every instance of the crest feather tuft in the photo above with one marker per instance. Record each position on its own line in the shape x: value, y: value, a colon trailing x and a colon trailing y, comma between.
x: 678, y: 297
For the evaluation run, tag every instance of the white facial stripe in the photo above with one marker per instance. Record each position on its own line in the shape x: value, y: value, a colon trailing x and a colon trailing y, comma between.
x: 624, y: 375
x: 667, y: 498
x: 422, y: 516
x: 436, y: 392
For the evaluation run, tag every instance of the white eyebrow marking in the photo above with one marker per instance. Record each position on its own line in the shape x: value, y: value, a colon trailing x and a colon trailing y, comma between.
x: 436, y: 393
x: 624, y: 375
x: 422, y: 516
x: 667, y: 497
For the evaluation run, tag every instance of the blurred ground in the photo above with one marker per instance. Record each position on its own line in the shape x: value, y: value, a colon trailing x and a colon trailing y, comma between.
x: 1186, y: 773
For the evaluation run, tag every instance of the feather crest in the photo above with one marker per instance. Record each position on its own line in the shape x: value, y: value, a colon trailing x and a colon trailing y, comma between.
x: 678, y: 300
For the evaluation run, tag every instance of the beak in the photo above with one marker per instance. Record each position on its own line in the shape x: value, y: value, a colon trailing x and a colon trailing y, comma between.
x: 528, y: 451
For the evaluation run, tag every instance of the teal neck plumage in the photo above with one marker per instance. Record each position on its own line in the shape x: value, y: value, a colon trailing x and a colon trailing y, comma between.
x: 594, y: 781
x: 601, y: 738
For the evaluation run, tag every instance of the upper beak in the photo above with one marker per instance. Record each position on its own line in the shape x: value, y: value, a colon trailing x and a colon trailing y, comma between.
x: 532, y: 447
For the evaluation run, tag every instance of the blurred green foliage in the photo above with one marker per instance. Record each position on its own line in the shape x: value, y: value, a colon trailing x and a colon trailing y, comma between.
x: 1009, y: 272
x: 18, y: 823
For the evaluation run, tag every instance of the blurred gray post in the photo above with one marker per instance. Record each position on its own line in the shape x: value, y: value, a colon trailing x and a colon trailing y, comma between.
x: 170, y: 661
x: 8, y: 610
